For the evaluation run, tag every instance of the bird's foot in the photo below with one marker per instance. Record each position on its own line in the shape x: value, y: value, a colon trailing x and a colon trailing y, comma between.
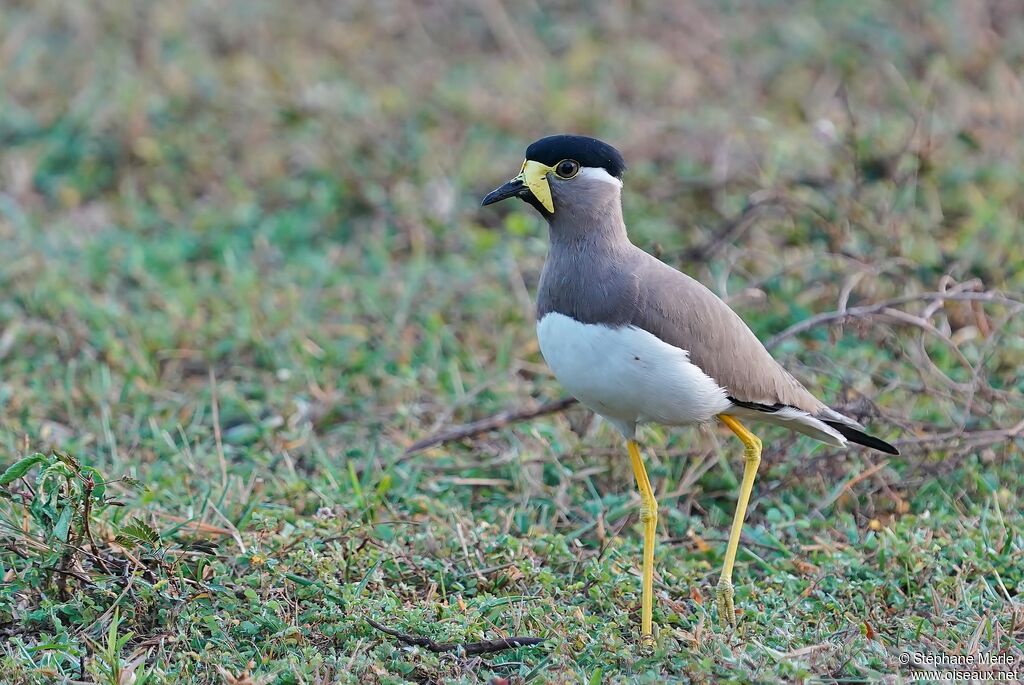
x: 726, y: 610
x: 647, y: 642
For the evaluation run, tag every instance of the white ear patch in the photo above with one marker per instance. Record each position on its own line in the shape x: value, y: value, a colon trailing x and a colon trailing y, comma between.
x: 598, y: 174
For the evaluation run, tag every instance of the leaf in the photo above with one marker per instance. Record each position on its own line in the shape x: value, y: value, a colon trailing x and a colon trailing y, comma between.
x: 242, y: 434
x: 99, y: 488
x: 52, y: 477
x: 134, y: 483
x: 869, y: 632
x: 42, y: 511
x: 63, y: 525
x: 366, y: 578
x: 137, y: 532
x: 21, y: 467
x: 69, y: 460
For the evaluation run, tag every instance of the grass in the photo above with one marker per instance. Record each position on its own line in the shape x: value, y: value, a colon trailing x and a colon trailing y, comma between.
x: 244, y: 269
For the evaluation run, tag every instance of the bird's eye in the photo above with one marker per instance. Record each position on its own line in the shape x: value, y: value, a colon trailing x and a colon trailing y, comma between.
x: 567, y: 168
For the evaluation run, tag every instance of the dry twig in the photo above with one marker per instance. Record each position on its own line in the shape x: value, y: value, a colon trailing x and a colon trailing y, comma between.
x: 881, y: 307
x: 499, y: 420
x: 732, y: 229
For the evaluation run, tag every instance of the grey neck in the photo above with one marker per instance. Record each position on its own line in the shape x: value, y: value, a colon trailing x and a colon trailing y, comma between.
x: 593, y: 218
x: 588, y: 273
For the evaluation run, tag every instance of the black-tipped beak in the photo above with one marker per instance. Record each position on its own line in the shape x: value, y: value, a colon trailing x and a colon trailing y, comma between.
x: 513, y: 188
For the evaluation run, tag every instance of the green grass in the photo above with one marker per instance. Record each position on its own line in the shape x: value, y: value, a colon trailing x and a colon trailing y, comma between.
x: 244, y: 268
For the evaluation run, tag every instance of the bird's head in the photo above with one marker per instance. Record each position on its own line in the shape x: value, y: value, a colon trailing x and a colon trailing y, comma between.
x: 566, y: 174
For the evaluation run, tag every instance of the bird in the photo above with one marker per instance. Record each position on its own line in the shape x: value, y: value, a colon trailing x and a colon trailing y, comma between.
x: 638, y: 341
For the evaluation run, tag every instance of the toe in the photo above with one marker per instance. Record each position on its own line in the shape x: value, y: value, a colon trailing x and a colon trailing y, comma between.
x: 726, y: 608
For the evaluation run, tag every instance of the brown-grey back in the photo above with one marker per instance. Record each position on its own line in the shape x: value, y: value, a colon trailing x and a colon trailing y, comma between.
x: 600, y: 277
x: 683, y: 312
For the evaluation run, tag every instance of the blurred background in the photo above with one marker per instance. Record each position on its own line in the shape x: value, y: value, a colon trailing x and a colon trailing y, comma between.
x: 243, y: 264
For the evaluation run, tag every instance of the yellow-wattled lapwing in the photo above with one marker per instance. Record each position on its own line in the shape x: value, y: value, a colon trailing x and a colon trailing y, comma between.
x: 638, y: 341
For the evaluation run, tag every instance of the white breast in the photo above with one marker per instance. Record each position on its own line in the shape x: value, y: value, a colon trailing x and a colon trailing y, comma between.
x: 628, y: 375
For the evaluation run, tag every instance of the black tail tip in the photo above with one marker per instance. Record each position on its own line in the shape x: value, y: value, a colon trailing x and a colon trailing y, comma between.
x: 862, y: 438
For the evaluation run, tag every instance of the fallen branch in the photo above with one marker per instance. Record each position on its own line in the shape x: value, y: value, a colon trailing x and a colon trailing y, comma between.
x: 469, y: 648
x: 732, y: 229
x: 848, y: 485
x: 982, y: 438
x: 879, y: 308
x: 499, y: 420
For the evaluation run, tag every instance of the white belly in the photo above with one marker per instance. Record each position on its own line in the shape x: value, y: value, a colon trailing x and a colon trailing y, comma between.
x: 628, y: 375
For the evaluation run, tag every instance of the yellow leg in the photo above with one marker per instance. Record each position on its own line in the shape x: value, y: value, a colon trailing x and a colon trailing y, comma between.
x: 751, y: 459
x: 649, y: 517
